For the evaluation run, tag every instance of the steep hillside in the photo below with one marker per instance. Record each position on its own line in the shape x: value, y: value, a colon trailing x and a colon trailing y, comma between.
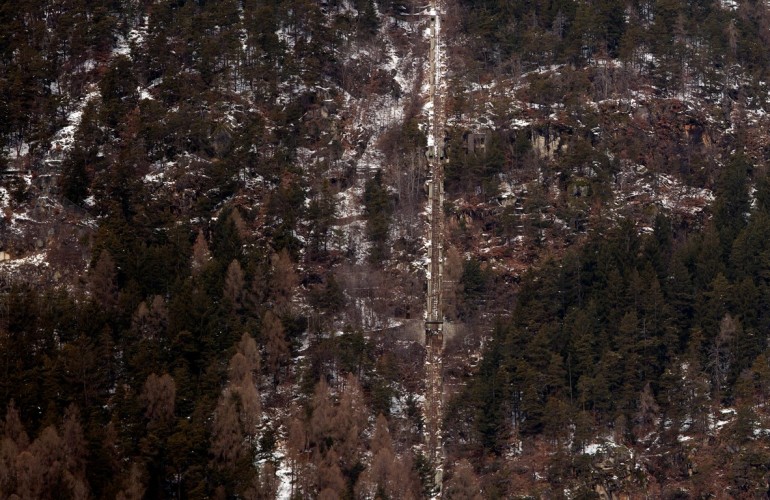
x: 213, y: 249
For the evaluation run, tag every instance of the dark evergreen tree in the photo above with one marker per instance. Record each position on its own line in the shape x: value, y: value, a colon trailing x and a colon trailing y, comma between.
x: 378, y: 209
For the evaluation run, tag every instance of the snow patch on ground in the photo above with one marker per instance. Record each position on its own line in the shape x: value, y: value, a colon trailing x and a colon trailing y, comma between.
x: 135, y: 38
x: 636, y: 186
x: 5, y: 199
x: 64, y: 138
x: 283, y: 473
x: 726, y: 415
x: 349, y: 203
x: 13, y: 153
x: 36, y: 260
x: 604, y: 446
x: 730, y: 5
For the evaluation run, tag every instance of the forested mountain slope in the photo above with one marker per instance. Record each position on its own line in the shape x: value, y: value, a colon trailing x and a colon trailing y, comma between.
x: 213, y: 249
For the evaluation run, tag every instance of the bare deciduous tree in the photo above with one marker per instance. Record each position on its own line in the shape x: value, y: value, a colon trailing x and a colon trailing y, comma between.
x: 201, y: 255
x: 13, y: 429
x: 150, y: 323
x: 248, y: 347
x: 243, y: 386
x: 264, y: 486
x: 464, y: 484
x: 720, y: 354
x: 283, y: 281
x: 238, y: 412
x: 227, y: 436
x: 297, y: 445
x: 158, y: 396
x: 234, y: 283
x: 103, y: 281
x: 647, y: 413
x: 75, y: 445
x: 329, y: 480
x: 134, y: 485
x: 275, y: 343
x: 385, y: 475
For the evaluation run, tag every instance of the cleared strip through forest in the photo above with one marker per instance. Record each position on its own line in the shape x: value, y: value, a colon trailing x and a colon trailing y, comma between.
x: 434, y: 335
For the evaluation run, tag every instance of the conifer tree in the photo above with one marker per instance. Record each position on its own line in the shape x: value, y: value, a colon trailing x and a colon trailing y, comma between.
x: 234, y: 286
x: 75, y: 451
x: 377, y: 210
x: 159, y: 396
x: 103, y: 281
x: 134, y: 485
x: 283, y: 281
x: 276, y: 346
x: 201, y: 254
x: 464, y: 483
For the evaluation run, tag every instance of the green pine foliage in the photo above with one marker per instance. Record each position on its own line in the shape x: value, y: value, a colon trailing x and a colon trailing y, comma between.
x: 588, y: 333
x: 378, y: 209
